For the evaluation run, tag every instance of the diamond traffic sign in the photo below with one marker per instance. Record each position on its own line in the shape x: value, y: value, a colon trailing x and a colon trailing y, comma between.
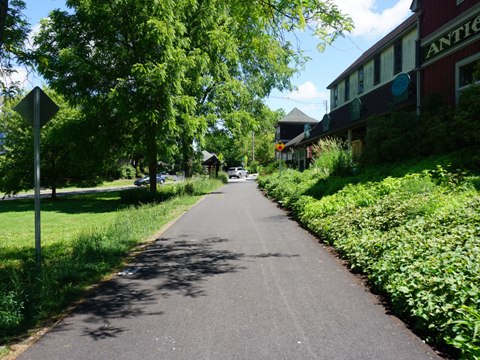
x: 26, y: 107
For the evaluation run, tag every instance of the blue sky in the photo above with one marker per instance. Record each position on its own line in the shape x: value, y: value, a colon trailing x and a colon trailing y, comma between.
x: 373, y: 19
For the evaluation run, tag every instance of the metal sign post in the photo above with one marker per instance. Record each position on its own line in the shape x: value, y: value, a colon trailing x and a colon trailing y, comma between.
x: 36, y: 169
x: 37, y: 109
x: 279, y: 146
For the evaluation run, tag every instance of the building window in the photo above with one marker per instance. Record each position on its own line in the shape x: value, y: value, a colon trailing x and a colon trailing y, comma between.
x: 347, y: 88
x: 397, y: 57
x: 467, y: 73
x: 360, y: 80
x: 335, y: 96
x: 376, y: 70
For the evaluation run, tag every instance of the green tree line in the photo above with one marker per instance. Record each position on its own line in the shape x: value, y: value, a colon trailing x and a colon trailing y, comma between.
x: 150, y: 80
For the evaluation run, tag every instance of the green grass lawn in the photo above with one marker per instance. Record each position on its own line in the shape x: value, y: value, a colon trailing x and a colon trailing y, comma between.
x: 61, y: 219
x: 106, y: 184
x: 85, y: 238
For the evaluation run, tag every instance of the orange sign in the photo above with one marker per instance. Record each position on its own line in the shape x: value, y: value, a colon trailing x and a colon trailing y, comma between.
x: 279, y: 146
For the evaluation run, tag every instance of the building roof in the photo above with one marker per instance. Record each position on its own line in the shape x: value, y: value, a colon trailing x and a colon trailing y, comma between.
x: 297, y: 139
x: 297, y: 116
x: 209, y: 159
x: 385, y: 41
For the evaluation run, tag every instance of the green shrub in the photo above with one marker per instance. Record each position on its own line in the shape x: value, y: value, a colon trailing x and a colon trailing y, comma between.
x: 271, y: 168
x: 127, y: 171
x: 466, y: 131
x: 143, y: 195
x: 416, y: 236
x: 440, y: 129
x: 12, y: 303
x: 393, y: 137
x: 223, y: 177
x: 253, y: 167
x: 332, y: 156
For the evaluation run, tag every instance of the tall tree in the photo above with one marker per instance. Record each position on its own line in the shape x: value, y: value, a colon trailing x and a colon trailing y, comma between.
x: 162, y: 71
x: 70, y: 154
x: 128, y: 69
x: 243, y: 56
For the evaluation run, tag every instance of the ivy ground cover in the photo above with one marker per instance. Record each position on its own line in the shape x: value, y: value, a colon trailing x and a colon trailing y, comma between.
x: 416, y: 237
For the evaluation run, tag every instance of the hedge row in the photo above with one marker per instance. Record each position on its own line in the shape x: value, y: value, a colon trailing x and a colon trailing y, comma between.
x: 416, y: 238
x: 143, y: 195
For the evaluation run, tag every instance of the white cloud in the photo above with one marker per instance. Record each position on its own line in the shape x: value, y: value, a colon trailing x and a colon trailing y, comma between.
x: 306, y: 91
x: 370, y: 22
x: 33, y: 32
x: 308, y: 99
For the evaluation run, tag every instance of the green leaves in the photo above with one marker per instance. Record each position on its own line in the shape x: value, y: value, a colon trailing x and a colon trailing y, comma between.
x: 14, y: 29
x: 416, y: 237
x: 156, y: 67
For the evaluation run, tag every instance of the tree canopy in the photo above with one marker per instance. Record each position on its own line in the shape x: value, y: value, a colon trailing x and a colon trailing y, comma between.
x: 70, y: 154
x: 14, y: 30
x: 157, y: 74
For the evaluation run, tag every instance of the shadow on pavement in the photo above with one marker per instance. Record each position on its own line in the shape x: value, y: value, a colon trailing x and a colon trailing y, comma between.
x: 181, y: 266
x: 168, y: 267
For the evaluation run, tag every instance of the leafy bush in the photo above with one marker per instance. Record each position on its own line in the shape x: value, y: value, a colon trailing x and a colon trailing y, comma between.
x: 223, y: 177
x: 127, y: 171
x: 253, y: 167
x: 271, y: 168
x: 415, y: 236
x: 165, y: 192
x: 332, y: 156
x: 12, y: 303
x: 467, y: 127
x: 440, y: 129
x: 393, y: 137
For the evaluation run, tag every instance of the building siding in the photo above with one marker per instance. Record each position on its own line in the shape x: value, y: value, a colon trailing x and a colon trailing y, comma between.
x: 377, y: 102
x: 432, y: 19
x: 409, y: 50
x: 439, y: 77
x: 408, y: 61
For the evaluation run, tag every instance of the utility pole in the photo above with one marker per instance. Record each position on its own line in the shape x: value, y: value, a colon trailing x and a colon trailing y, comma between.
x: 253, y: 146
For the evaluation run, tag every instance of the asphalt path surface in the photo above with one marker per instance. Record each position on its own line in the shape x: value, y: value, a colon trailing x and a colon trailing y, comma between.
x: 233, y: 278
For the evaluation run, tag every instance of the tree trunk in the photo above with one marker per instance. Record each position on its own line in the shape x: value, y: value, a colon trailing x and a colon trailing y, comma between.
x: 187, y: 154
x: 54, y: 191
x: 152, y: 151
x: 3, y: 17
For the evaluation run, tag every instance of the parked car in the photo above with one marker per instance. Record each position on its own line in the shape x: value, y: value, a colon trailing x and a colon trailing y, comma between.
x: 146, y: 180
x: 237, y: 172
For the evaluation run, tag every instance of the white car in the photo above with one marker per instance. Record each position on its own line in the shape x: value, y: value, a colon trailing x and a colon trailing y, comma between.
x: 237, y: 172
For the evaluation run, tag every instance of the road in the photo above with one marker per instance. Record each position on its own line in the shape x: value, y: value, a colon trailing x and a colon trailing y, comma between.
x: 233, y: 278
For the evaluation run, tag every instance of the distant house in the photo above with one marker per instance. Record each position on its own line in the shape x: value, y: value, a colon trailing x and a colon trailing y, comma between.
x: 291, y: 127
x: 211, y: 163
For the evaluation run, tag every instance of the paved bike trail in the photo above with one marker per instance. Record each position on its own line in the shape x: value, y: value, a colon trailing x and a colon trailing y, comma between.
x: 233, y: 278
